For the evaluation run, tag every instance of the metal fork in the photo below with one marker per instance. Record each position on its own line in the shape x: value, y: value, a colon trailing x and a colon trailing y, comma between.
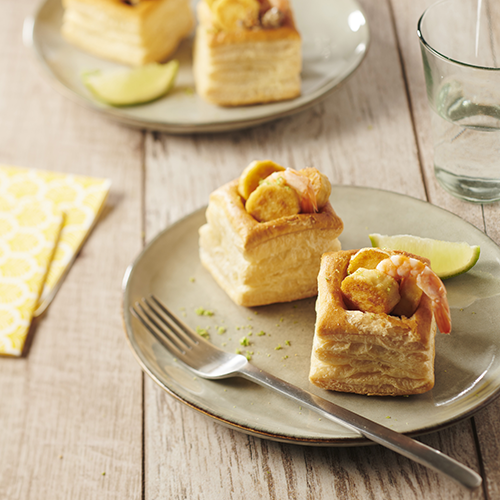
x: 210, y: 362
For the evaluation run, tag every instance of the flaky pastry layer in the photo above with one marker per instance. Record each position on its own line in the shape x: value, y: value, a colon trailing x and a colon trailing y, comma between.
x: 367, y: 353
x: 246, y: 66
x: 258, y: 263
x: 130, y: 34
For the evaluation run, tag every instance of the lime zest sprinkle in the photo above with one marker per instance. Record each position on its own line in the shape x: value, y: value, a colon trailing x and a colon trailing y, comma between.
x: 202, y: 332
x: 200, y: 311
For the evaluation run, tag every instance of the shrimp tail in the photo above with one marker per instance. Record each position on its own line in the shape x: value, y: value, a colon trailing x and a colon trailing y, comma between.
x: 432, y: 285
x: 443, y: 317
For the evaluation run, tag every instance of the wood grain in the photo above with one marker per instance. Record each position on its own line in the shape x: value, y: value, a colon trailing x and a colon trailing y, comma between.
x: 71, y: 410
x: 226, y: 464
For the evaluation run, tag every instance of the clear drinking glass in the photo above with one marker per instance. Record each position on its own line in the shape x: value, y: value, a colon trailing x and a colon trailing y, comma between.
x: 460, y: 44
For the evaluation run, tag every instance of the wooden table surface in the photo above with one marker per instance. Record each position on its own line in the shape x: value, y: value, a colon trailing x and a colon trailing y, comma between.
x: 78, y: 418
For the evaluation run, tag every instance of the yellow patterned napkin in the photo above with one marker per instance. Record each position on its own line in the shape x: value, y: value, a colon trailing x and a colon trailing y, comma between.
x: 79, y: 198
x: 29, y: 231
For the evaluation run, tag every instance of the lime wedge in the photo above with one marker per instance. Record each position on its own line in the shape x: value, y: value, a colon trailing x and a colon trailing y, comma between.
x: 125, y: 87
x: 447, y: 258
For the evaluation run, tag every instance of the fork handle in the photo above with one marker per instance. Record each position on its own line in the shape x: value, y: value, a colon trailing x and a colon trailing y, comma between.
x: 395, y: 441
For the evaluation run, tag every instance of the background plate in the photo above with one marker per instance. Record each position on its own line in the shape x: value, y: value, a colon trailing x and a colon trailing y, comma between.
x: 335, y: 40
x: 467, y: 363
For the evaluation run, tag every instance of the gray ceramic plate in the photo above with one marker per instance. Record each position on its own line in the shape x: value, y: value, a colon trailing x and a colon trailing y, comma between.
x: 335, y: 40
x: 467, y: 362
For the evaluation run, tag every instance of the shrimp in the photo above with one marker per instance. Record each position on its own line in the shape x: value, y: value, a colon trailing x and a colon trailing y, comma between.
x: 401, y: 266
x: 301, y: 184
x: 273, y: 12
x: 282, y: 5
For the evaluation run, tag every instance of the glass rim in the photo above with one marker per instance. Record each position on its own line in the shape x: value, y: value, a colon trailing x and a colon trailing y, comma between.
x: 436, y: 52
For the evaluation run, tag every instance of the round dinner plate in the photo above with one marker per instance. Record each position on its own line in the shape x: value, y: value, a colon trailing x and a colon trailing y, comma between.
x: 335, y: 39
x: 280, y: 335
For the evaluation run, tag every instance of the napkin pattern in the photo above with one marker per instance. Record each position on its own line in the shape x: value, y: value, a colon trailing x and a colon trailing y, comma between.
x: 79, y: 199
x: 29, y: 231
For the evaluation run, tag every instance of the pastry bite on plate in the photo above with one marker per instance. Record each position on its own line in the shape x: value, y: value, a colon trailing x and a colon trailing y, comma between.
x: 266, y: 232
x: 247, y: 52
x: 132, y: 32
x: 376, y: 316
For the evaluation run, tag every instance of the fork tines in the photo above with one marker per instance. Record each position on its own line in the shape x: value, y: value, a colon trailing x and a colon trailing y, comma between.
x: 164, y: 325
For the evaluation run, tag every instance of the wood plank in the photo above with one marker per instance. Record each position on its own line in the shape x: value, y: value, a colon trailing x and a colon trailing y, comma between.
x: 361, y: 135
x: 198, y: 458
x: 71, y: 409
